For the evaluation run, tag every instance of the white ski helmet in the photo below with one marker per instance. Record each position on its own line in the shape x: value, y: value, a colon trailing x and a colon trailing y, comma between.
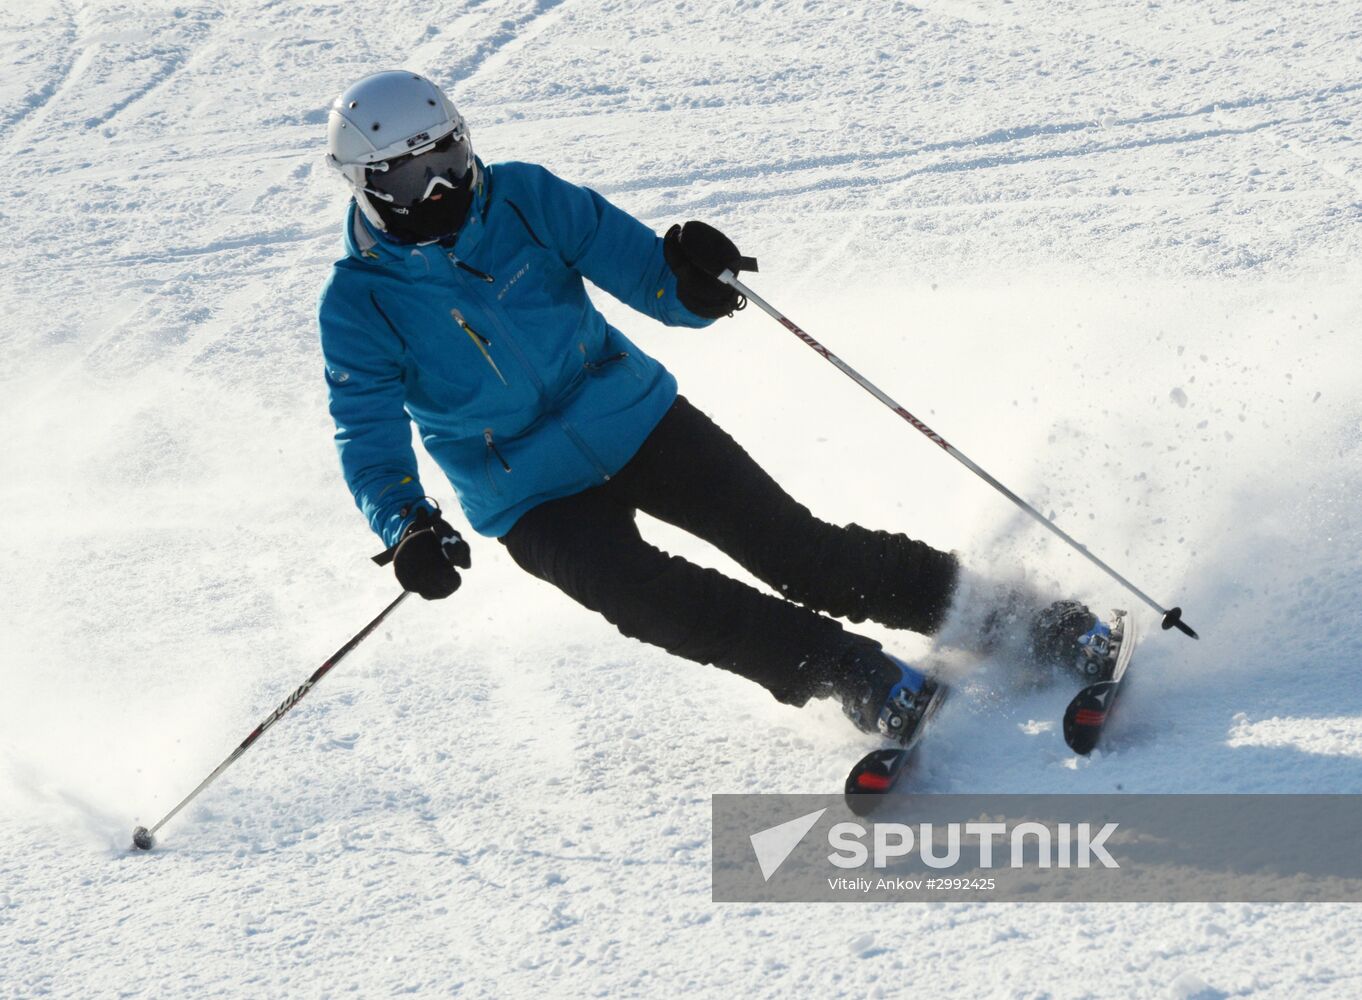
x: 383, y: 116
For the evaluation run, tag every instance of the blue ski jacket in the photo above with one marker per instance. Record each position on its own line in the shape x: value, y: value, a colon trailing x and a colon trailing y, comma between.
x: 520, y: 389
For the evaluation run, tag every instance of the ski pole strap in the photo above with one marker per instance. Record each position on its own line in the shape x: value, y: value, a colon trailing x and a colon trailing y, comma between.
x: 740, y: 263
x: 387, y: 555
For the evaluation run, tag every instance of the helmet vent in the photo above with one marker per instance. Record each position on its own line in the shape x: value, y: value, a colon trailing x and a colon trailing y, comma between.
x: 374, y: 126
x: 354, y: 104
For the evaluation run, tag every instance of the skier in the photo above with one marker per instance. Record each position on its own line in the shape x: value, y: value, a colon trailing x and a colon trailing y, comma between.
x: 460, y: 307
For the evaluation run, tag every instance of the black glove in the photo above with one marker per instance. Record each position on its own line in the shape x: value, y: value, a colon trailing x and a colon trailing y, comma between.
x: 698, y: 253
x: 427, y: 555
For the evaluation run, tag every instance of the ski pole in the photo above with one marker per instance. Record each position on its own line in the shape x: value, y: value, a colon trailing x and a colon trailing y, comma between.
x: 1172, y: 617
x: 144, y: 839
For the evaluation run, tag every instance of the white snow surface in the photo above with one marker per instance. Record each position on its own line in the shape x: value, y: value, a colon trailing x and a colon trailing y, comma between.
x: 1110, y: 250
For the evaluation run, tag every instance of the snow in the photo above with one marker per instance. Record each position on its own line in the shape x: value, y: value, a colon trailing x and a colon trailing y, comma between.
x: 1109, y: 250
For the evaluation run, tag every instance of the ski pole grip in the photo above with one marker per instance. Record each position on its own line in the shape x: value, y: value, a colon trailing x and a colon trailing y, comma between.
x: 386, y: 556
x: 1173, y: 619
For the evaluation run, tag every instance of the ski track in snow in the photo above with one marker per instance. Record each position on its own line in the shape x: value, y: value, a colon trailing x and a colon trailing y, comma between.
x: 1108, y: 249
x: 37, y: 97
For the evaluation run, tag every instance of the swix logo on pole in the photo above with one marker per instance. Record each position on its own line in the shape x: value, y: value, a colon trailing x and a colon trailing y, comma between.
x: 933, y: 435
x: 806, y: 338
x: 287, y: 703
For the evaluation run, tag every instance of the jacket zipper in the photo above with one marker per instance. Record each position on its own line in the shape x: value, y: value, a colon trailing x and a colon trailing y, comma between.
x: 492, y: 447
x: 480, y: 275
x: 535, y: 380
x: 596, y: 366
x: 480, y: 341
x: 568, y: 429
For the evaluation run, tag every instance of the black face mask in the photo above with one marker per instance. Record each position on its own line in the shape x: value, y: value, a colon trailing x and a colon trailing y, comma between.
x: 439, y: 217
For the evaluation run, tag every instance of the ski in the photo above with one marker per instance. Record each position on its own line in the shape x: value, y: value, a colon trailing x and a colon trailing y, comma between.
x: 878, y: 772
x: 1089, y: 710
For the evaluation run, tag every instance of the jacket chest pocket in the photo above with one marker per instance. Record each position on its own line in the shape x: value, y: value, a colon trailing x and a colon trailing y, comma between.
x: 481, y: 343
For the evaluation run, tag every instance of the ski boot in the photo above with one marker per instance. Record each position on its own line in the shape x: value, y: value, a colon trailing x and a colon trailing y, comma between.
x: 1069, y: 636
x: 882, y: 695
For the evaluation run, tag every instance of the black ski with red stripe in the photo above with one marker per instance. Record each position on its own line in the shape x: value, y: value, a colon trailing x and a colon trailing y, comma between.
x: 1087, y: 714
x: 878, y: 772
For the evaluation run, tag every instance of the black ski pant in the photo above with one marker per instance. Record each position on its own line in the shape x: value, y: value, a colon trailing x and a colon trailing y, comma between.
x: 690, y: 473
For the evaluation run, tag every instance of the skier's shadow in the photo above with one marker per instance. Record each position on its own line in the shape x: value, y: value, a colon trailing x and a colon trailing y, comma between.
x: 1224, y: 764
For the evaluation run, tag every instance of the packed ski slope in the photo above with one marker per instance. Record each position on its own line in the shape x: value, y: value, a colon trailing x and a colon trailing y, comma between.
x: 1110, y: 250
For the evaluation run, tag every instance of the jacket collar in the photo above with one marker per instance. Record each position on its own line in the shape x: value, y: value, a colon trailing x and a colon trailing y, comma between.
x: 363, y: 241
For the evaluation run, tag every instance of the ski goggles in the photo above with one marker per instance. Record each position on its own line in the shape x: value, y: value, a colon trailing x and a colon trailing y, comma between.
x: 412, y: 178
